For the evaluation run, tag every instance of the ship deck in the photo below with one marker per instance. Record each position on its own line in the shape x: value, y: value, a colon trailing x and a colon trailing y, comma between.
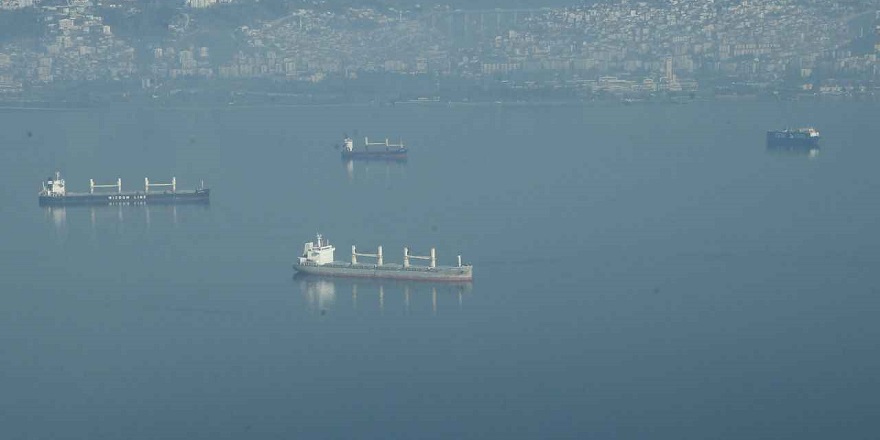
x: 389, y: 267
x: 127, y: 198
x: 129, y: 193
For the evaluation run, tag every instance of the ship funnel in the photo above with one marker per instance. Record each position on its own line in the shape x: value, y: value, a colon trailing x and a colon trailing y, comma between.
x: 459, y: 261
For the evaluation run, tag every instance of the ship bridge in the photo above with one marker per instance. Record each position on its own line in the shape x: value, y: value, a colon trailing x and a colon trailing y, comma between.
x: 319, y: 252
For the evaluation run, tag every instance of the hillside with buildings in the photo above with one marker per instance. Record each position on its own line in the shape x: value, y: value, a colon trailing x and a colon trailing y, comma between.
x: 136, y: 49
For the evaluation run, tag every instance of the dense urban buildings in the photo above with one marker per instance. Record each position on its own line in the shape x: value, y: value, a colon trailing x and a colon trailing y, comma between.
x: 617, y: 47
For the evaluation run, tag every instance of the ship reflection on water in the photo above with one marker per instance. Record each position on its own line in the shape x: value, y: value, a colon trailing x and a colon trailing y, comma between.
x: 60, y: 215
x: 323, y: 294
x: 367, y: 169
x: 810, y: 152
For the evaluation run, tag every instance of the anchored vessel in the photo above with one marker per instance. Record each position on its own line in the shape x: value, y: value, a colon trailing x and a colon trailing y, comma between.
x: 55, y: 193
x: 798, y: 137
x: 379, y: 150
x: 317, y: 259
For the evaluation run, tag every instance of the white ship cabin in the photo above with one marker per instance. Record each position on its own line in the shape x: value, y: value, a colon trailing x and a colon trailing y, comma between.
x: 318, y: 252
x: 809, y: 131
x: 348, y: 144
x: 54, y: 187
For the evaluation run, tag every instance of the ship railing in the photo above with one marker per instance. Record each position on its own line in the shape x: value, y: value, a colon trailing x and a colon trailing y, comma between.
x: 117, y: 185
x: 387, y: 144
x: 147, y: 184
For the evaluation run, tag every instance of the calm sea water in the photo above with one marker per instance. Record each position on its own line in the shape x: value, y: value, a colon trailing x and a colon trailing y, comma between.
x: 640, y: 272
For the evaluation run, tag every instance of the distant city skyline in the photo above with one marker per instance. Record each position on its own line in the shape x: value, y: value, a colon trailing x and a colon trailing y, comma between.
x: 632, y: 49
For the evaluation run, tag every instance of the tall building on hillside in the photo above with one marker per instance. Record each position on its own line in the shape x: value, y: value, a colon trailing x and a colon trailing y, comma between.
x: 670, y: 74
x: 671, y: 81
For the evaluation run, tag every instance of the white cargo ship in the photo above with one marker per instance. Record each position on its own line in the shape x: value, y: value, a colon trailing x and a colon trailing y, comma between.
x: 318, y: 259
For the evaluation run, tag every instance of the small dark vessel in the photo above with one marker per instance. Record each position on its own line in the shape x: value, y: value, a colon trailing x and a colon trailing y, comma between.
x: 54, y: 193
x: 373, y: 150
x: 798, y: 137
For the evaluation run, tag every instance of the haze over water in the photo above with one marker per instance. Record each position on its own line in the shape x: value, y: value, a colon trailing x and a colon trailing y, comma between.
x: 645, y: 271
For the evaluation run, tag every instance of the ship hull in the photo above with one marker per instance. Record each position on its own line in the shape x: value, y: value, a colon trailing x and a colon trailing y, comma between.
x: 200, y: 196
x: 466, y: 285
x: 783, y: 139
x: 440, y: 274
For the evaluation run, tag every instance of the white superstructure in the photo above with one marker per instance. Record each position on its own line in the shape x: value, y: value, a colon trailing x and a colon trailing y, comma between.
x: 318, y: 252
x: 54, y: 187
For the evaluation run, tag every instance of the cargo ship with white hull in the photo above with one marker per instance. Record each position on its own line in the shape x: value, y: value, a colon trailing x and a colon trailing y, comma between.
x: 379, y: 151
x: 317, y: 259
x: 54, y: 193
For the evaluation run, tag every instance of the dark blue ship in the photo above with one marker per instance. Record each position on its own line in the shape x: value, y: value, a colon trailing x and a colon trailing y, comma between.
x: 54, y: 193
x: 798, y: 137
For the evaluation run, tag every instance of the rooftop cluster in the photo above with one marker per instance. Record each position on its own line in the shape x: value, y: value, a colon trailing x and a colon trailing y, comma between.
x: 617, y: 45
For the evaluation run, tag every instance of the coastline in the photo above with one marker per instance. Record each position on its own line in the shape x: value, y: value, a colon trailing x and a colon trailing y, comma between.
x: 61, y: 106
